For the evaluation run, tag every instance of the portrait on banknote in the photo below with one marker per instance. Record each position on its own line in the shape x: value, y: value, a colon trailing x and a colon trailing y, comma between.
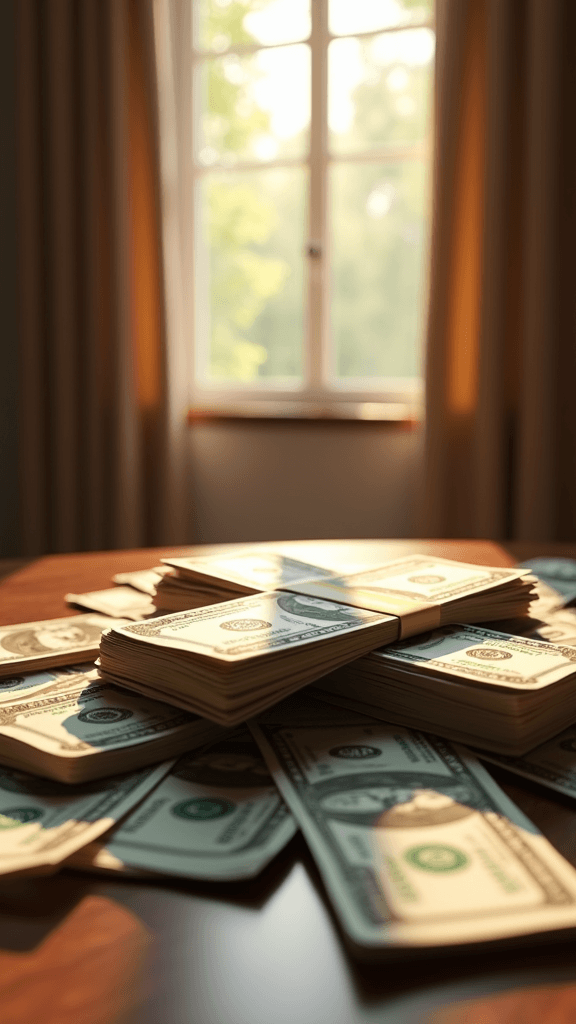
x: 49, y: 637
x: 235, y: 763
x: 316, y: 608
x: 368, y: 799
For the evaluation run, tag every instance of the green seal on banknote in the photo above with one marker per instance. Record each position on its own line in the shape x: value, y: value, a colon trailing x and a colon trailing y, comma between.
x: 202, y: 808
x: 16, y: 816
x: 436, y: 857
x: 98, y: 716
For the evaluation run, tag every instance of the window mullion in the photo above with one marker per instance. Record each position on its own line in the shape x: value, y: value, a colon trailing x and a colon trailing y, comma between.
x: 317, y: 343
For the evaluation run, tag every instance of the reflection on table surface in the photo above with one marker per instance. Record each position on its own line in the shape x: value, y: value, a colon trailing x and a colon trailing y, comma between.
x: 89, y: 970
x: 82, y: 950
x: 555, y: 1004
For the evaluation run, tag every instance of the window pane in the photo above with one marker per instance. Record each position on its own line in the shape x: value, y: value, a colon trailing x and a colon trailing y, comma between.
x: 380, y: 90
x: 379, y: 234
x: 349, y: 16
x: 250, y: 275
x: 224, y: 23
x: 246, y: 110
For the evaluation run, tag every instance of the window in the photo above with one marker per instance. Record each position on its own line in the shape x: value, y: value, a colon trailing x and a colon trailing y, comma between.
x: 310, y: 165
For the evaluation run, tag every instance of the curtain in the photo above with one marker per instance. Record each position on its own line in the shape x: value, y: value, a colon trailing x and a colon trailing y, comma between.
x: 500, y: 437
x: 102, y: 398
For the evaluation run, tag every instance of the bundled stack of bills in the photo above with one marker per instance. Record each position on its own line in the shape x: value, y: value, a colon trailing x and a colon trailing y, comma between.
x: 195, y: 581
x: 501, y: 692
x: 231, y: 660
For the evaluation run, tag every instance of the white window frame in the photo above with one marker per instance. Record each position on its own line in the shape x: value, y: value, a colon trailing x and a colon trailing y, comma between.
x: 316, y: 395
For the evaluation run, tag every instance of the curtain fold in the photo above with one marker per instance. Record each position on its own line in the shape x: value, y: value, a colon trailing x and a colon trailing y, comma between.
x: 500, y: 437
x: 102, y: 441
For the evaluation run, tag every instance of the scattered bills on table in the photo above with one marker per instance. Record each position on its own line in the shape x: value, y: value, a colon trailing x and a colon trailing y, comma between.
x: 417, y: 845
x: 43, y: 822
x: 558, y: 573
x: 77, y: 728
x: 468, y: 683
x: 552, y: 764
x: 29, y: 646
x: 216, y: 816
x: 558, y: 627
x: 118, y: 602
x: 145, y: 580
x: 228, y: 661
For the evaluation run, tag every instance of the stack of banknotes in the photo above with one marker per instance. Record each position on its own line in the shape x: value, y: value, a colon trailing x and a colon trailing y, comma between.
x: 476, y: 685
x: 416, y: 844
x: 231, y: 660
x: 196, y: 581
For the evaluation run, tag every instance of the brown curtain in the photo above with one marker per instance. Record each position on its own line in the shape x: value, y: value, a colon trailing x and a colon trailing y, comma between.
x: 500, y: 430
x: 102, y: 446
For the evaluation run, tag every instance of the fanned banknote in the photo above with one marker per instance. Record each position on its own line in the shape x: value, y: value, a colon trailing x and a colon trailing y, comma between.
x: 217, y: 816
x: 77, y: 728
x: 475, y: 685
x: 43, y: 822
x: 118, y: 602
x: 28, y: 646
x: 144, y: 580
x: 415, y: 842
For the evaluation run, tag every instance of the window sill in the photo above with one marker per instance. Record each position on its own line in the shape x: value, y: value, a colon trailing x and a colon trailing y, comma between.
x: 395, y: 413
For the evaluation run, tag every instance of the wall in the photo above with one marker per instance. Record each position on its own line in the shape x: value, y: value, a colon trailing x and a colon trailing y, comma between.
x: 292, y: 480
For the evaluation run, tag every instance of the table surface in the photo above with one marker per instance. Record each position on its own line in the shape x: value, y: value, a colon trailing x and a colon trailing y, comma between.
x: 83, y: 948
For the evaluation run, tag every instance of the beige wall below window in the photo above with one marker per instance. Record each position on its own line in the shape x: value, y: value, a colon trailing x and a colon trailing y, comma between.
x: 278, y: 480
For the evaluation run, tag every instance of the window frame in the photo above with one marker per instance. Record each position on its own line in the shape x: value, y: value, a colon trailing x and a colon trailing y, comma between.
x: 317, y: 395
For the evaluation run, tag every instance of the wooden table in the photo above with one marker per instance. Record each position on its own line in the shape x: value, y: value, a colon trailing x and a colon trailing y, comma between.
x: 85, y: 949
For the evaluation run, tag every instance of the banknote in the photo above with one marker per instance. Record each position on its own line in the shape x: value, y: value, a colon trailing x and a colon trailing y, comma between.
x: 79, y: 728
x: 217, y: 816
x: 484, y: 656
x: 252, y: 570
x: 552, y: 764
x: 251, y: 626
x: 43, y: 822
x: 145, y: 580
x: 415, y: 842
x: 118, y: 602
x: 28, y: 646
x: 14, y: 688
